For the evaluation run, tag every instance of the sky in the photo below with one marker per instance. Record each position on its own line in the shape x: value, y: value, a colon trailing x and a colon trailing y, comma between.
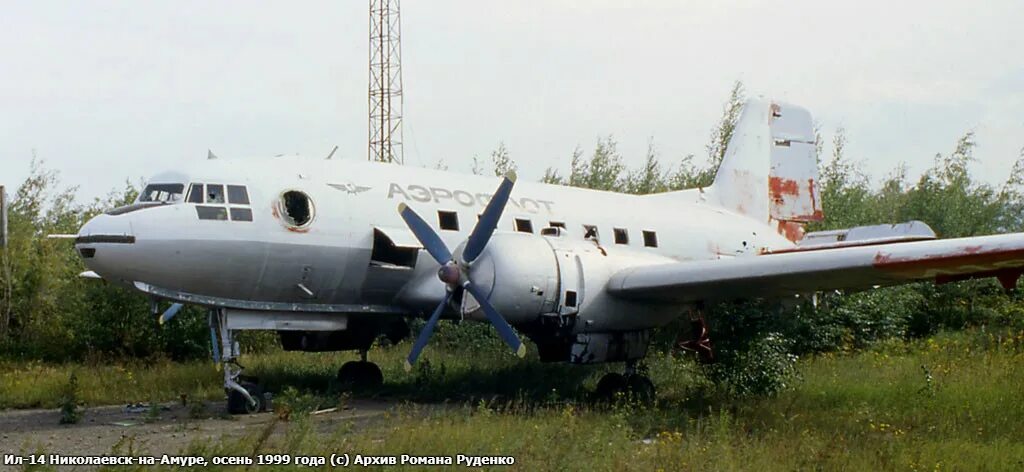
x: 105, y: 91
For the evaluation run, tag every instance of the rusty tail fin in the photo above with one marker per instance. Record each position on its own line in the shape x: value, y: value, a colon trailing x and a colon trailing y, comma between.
x: 770, y: 168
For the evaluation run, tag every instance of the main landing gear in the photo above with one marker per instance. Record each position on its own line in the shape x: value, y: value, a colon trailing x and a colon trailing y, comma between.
x: 632, y: 384
x: 361, y: 374
x: 699, y: 341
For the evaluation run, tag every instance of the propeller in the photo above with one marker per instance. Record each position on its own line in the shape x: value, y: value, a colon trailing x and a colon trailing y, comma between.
x: 455, y: 272
x: 170, y: 313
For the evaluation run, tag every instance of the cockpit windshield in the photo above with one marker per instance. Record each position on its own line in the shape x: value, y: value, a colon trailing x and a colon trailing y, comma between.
x: 164, y: 193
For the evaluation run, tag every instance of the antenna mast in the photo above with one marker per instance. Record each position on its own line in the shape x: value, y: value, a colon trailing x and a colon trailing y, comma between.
x: 385, y: 82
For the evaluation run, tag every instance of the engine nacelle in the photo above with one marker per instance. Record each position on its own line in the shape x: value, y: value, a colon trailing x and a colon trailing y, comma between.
x: 519, y: 274
x: 528, y: 276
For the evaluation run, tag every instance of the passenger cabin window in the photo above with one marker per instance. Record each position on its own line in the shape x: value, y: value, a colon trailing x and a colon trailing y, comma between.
x: 589, y: 232
x: 650, y: 239
x: 524, y: 225
x: 621, y: 236
x: 165, y: 193
x: 557, y: 224
x: 448, y: 220
x: 555, y: 231
x: 297, y: 208
x: 214, y: 193
x: 237, y: 195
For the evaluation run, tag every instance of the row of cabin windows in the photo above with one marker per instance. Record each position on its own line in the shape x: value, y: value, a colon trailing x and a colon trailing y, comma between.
x: 215, y: 194
x: 449, y: 221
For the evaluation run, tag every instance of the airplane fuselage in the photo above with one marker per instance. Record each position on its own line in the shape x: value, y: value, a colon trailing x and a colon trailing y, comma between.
x: 264, y: 259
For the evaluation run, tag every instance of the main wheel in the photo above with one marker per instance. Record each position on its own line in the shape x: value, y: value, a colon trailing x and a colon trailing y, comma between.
x: 239, y: 405
x: 609, y: 385
x: 640, y: 388
x: 360, y: 375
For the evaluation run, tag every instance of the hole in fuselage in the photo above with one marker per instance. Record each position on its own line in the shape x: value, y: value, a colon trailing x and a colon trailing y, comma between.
x: 298, y: 210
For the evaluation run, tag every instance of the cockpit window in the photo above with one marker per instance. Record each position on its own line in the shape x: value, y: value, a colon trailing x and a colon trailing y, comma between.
x: 214, y: 193
x: 237, y: 195
x: 195, y: 193
x: 166, y: 193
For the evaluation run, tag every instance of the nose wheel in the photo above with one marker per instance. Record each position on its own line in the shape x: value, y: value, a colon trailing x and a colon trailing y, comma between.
x: 360, y: 375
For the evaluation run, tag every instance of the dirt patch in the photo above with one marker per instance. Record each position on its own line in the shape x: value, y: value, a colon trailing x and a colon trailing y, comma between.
x: 103, y: 428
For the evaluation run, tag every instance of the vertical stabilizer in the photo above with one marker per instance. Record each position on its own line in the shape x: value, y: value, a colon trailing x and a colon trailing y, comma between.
x: 770, y: 170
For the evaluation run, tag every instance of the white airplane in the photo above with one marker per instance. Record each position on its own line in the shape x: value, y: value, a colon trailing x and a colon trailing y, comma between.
x: 332, y: 254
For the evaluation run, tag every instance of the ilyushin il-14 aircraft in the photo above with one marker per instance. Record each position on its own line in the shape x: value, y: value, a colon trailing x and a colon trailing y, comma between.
x: 334, y: 254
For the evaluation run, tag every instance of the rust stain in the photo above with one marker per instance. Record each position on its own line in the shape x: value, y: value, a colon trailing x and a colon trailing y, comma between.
x: 791, y: 230
x: 1007, y: 277
x: 817, y: 214
x: 779, y: 186
x: 946, y: 267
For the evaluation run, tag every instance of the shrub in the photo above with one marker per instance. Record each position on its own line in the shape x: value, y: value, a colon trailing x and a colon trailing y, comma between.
x: 70, y: 411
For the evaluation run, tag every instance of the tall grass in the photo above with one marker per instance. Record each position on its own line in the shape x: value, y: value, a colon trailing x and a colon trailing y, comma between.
x: 949, y: 402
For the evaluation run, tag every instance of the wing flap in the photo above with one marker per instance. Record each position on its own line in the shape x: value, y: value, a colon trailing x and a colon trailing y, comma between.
x: 794, y: 273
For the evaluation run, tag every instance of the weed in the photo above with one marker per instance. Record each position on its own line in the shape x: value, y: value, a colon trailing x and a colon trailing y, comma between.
x: 294, y: 404
x: 152, y: 412
x: 196, y: 408
x: 70, y: 411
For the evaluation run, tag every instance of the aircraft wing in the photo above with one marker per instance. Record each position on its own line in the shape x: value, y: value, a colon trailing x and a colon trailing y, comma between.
x: 807, y: 271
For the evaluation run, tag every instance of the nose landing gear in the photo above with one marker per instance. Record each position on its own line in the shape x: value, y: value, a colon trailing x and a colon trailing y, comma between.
x: 245, y: 395
x: 361, y: 374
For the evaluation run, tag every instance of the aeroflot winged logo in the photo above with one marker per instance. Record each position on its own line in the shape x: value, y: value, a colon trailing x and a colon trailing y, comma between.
x: 350, y: 187
x: 420, y: 193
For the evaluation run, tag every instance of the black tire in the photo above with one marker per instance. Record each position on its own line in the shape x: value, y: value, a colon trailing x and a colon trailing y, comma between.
x: 360, y: 375
x: 609, y: 385
x: 372, y: 377
x: 640, y: 388
x: 348, y: 372
x: 239, y: 405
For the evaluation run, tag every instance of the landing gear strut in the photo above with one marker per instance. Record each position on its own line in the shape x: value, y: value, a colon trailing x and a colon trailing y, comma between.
x: 699, y: 341
x: 633, y: 383
x: 361, y: 374
x: 244, y: 393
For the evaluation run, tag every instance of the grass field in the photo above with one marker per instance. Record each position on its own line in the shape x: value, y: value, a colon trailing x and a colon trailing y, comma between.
x: 951, y: 402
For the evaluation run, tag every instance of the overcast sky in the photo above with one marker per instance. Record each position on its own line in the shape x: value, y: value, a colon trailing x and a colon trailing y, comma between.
x: 105, y: 91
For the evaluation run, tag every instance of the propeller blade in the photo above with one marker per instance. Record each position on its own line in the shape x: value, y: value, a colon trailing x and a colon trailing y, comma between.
x: 504, y: 330
x: 488, y: 219
x: 424, y: 337
x: 173, y: 310
x: 427, y: 236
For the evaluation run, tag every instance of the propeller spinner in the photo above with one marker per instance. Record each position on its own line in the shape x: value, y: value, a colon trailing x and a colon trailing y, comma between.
x: 455, y: 273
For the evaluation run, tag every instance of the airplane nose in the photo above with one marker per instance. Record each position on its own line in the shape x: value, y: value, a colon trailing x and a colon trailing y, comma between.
x: 104, y: 228
x: 103, y: 241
